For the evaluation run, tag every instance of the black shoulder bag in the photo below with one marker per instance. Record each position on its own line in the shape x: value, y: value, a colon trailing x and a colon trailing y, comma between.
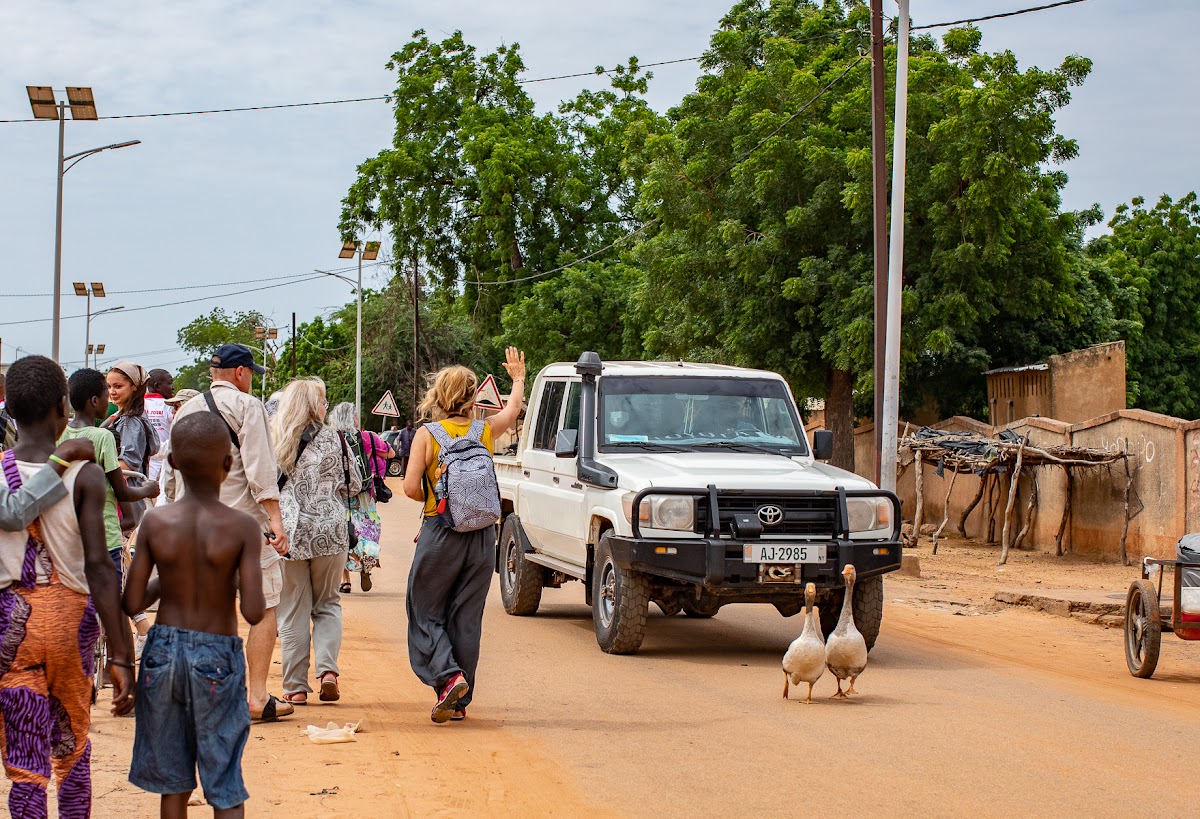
x: 352, y: 536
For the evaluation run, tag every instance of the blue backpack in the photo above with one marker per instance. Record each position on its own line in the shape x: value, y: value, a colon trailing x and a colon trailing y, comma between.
x: 467, y: 494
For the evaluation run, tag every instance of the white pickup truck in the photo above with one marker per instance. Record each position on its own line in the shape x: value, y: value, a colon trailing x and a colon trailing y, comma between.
x: 732, y: 505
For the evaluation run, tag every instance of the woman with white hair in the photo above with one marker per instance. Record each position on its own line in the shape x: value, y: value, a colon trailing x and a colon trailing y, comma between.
x: 373, y: 453
x: 318, y: 477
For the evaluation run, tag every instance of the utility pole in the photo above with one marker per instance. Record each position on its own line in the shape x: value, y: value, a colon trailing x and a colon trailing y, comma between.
x: 265, y: 333
x: 293, y: 346
x: 891, y: 381
x: 416, y: 305
x: 879, y: 177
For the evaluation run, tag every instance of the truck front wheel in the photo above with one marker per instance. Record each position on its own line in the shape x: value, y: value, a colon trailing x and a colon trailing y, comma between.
x: 867, y: 607
x: 620, y: 603
x: 520, y: 580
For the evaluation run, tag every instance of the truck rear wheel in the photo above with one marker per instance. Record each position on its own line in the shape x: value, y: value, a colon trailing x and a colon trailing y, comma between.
x: 520, y: 580
x: 620, y: 603
x: 867, y: 607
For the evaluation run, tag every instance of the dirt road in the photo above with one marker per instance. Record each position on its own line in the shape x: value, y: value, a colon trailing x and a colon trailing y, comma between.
x: 1013, y: 712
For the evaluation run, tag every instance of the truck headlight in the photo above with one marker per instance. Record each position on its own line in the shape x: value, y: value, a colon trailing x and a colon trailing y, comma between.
x: 869, y: 514
x: 674, y: 512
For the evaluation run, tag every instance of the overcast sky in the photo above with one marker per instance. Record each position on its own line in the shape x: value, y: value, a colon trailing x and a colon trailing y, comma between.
x: 242, y: 197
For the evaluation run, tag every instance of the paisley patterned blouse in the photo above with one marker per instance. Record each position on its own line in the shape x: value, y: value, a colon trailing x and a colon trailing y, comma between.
x: 313, y: 501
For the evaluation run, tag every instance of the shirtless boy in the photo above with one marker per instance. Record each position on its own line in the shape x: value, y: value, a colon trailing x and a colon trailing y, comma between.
x: 192, y: 687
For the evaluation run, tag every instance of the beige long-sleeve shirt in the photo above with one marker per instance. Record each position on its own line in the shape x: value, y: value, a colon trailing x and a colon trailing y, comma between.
x: 254, y: 477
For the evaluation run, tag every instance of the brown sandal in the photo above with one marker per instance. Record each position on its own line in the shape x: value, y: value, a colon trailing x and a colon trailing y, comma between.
x: 296, y: 698
x: 329, y: 687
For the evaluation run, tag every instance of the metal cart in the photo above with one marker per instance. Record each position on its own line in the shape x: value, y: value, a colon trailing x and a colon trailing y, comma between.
x: 1145, y: 619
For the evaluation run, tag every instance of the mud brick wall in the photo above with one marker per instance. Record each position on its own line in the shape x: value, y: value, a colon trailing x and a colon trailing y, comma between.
x: 1166, y: 484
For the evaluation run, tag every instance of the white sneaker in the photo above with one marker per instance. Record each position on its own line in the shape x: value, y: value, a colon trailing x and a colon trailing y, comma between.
x: 138, y: 645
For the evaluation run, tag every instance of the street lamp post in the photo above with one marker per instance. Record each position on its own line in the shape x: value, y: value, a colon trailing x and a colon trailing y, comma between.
x: 83, y: 107
x: 97, y: 290
x: 370, y: 252
x: 95, y: 351
x: 88, y: 331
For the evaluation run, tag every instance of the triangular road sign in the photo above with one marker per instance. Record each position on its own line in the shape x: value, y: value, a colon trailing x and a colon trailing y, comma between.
x: 488, y: 396
x: 386, y: 406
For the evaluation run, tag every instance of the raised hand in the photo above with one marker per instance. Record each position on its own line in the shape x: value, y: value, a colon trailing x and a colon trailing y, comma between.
x: 514, y: 364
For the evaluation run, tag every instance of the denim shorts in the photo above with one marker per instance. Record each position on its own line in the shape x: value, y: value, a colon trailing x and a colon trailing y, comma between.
x: 191, y: 713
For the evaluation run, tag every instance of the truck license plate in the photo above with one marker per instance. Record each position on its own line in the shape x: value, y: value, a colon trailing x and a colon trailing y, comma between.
x: 783, y: 553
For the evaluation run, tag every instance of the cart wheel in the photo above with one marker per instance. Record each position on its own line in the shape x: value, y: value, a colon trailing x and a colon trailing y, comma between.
x: 1143, y: 629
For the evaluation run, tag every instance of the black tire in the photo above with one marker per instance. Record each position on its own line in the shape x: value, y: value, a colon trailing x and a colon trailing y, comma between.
x: 867, y: 607
x: 393, y: 469
x: 699, y: 612
x: 620, y: 603
x: 520, y: 580
x: 1143, y: 629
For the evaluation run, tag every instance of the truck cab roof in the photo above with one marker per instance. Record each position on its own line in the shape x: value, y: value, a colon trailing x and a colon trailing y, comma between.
x: 659, y: 368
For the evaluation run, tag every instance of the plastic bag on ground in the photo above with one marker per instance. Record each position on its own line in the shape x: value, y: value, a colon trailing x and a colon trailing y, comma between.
x: 333, y: 733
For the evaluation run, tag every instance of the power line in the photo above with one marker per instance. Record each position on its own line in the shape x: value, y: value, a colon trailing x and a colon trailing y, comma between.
x: 591, y: 255
x: 194, y: 286
x: 824, y: 90
x: 224, y: 110
x: 385, y: 97
x: 997, y: 16
x: 170, y: 303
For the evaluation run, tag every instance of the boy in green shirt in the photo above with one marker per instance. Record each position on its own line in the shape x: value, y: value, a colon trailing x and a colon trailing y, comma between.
x: 89, y: 399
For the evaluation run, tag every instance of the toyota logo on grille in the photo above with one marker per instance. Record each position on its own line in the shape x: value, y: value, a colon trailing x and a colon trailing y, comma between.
x: 770, y: 515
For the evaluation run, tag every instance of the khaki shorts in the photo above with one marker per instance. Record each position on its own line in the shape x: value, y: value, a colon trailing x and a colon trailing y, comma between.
x: 272, y: 575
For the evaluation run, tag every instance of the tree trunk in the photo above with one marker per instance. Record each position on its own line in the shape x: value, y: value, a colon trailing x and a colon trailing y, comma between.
x: 839, y: 417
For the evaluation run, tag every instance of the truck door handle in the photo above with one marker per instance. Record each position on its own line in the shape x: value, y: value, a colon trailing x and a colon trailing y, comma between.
x: 556, y: 479
x: 525, y: 472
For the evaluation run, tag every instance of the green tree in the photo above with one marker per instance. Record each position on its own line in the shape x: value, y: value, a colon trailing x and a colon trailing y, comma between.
x: 1153, y: 255
x: 762, y: 253
x: 205, y: 334
x: 478, y: 187
x: 592, y: 306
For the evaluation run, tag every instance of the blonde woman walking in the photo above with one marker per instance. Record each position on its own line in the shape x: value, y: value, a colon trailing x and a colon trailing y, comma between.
x: 451, y: 571
x: 317, y: 477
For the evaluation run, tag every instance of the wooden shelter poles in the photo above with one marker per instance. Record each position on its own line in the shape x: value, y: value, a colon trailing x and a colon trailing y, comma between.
x: 1029, y: 510
x: 1130, y: 472
x: 1012, y: 499
x: 1066, y: 516
x: 919, y: 483
x: 962, y: 520
x: 945, y: 510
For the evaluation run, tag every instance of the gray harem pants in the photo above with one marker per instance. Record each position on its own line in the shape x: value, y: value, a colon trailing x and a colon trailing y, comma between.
x: 447, y: 588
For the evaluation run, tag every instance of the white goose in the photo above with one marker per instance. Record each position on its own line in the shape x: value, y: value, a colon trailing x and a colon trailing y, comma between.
x: 805, y: 657
x: 846, y: 650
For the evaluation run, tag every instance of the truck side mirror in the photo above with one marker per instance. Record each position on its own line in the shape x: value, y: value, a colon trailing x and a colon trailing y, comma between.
x: 566, y: 443
x: 822, y: 444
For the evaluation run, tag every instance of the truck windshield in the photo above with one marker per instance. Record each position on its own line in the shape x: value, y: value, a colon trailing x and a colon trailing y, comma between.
x: 696, y: 413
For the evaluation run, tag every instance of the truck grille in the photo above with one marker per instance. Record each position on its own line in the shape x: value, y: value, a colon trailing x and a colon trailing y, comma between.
x: 811, y: 517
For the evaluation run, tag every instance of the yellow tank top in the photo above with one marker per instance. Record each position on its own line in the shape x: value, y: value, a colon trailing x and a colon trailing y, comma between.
x: 456, y: 429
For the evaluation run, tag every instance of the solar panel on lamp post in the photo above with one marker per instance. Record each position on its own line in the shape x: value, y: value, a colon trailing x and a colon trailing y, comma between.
x: 97, y: 290
x: 46, y: 105
x: 370, y: 252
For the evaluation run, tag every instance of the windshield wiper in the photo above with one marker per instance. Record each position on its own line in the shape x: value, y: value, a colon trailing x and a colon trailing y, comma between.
x: 740, y: 446
x: 648, y: 446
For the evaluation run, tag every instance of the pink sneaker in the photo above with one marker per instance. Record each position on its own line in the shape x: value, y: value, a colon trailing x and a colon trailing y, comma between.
x: 454, y: 691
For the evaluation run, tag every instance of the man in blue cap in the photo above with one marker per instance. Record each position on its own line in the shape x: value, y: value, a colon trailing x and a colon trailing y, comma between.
x: 253, y: 487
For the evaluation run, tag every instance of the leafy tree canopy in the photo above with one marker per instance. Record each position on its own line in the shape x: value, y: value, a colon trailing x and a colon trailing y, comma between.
x: 1153, y: 258
x: 763, y: 254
